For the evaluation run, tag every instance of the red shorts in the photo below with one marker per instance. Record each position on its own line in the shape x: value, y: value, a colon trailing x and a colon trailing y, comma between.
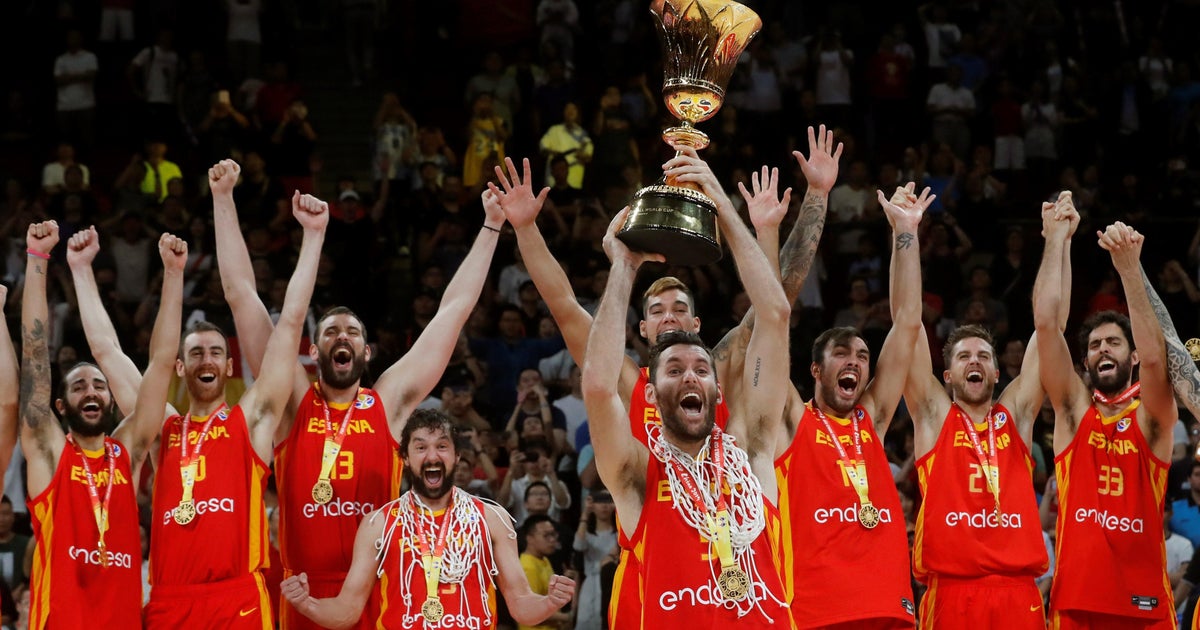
x: 321, y: 587
x: 885, y: 623
x: 994, y: 602
x: 1084, y: 620
x: 238, y: 604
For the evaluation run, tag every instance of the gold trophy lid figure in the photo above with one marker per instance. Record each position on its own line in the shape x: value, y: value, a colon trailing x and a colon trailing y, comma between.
x: 701, y: 42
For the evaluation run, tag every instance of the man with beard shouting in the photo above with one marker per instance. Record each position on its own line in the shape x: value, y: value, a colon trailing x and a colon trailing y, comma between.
x: 208, y: 543
x: 436, y: 549
x: 1112, y: 439
x: 336, y: 452
x: 87, y: 563
x: 979, y: 545
x: 698, y: 510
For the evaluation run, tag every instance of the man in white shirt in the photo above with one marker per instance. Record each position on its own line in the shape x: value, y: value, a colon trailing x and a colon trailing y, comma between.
x: 153, y: 74
x: 75, y: 76
x: 951, y: 105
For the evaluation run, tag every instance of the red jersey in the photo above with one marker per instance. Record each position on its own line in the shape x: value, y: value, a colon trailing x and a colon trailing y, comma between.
x: 1111, y: 553
x: 67, y: 569
x: 470, y: 603
x: 228, y: 537
x: 642, y: 412
x: 677, y: 568
x: 825, y: 551
x: 366, y: 476
x: 958, y: 532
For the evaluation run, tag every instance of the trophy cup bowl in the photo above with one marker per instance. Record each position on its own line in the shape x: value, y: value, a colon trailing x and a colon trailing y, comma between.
x: 701, y: 41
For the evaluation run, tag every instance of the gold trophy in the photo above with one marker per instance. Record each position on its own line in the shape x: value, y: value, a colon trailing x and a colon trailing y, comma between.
x: 701, y: 41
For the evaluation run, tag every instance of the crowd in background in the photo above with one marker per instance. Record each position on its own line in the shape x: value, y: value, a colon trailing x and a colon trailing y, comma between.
x: 113, y: 111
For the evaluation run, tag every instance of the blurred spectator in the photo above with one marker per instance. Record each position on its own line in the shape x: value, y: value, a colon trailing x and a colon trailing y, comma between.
x: 75, y: 74
x: 220, y: 132
x: 276, y: 95
x: 1041, y: 137
x: 243, y: 39
x: 116, y: 20
x: 540, y: 539
x: 13, y: 547
x: 616, y: 147
x: 1185, y: 518
x: 54, y: 173
x: 594, y: 540
x: 951, y: 105
x: 359, y: 19
x: 558, y: 21
x: 941, y: 37
x: 294, y: 142
x: 151, y: 175
x: 572, y: 408
x: 569, y: 141
x: 834, y: 62
x: 979, y: 284
x: 530, y: 469
x: 486, y: 133
x: 154, y: 75
x: 503, y: 89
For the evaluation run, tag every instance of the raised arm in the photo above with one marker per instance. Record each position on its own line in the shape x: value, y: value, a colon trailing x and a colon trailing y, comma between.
x: 1180, y: 367
x: 122, y: 374
x: 407, y: 382
x: 144, y: 419
x: 764, y: 379
x: 1158, y: 398
x: 925, y: 397
x: 42, y: 440
x: 250, y: 317
x: 521, y: 208
x: 620, y: 459
x: 904, y: 214
x: 526, y: 607
x: 346, y: 609
x: 265, y: 402
x: 9, y: 391
x: 766, y: 210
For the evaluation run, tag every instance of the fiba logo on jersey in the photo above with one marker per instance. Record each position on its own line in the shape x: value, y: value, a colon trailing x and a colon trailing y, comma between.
x: 859, y: 414
x: 1001, y: 418
x: 116, y: 449
x: 365, y: 401
x: 1123, y: 424
x: 222, y: 415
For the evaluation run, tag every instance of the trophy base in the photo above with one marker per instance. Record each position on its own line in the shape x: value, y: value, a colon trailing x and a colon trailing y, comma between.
x: 679, y: 223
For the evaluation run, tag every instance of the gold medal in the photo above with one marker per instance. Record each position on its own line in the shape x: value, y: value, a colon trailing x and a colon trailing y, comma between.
x: 1193, y: 348
x: 322, y: 491
x: 733, y: 583
x: 432, y: 610
x: 185, y: 512
x: 868, y: 516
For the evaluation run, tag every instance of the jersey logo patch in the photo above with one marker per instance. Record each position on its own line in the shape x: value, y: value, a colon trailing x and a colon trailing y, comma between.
x: 365, y: 401
x: 222, y: 415
x: 1123, y: 424
x: 116, y: 450
x: 858, y: 413
x: 1001, y: 418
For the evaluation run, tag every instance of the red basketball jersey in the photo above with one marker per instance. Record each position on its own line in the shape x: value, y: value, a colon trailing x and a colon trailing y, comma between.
x: 67, y: 568
x: 678, y: 588
x: 228, y: 536
x: 469, y: 604
x: 1111, y: 554
x: 825, y: 552
x: 958, y: 532
x: 642, y: 412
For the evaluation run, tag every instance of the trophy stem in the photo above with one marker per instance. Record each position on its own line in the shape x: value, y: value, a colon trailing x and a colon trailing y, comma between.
x: 685, y: 135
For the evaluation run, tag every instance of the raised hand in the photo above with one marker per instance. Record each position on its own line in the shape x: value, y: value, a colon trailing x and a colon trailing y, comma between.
x: 174, y: 252
x: 905, y: 211
x: 821, y: 167
x: 617, y: 250
x: 560, y: 590
x: 520, y: 206
x: 223, y: 176
x: 1059, y: 218
x: 312, y: 213
x: 295, y: 588
x: 82, y: 248
x: 492, y: 210
x: 687, y: 167
x: 765, y: 207
x: 1124, y: 244
x: 42, y: 237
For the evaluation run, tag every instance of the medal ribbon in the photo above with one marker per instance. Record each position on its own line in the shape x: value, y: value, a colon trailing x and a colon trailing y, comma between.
x: 1134, y: 391
x: 856, y: 469
x: 99, y: 509
x: 431, y: 559
x: 720, y: 524
x: 990, y: 461
x: 333, y: 440
x: 190, y: 464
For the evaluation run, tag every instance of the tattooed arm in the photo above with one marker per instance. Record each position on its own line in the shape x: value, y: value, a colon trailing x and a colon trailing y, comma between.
x: 42, y: 440
x: 1185, y: 378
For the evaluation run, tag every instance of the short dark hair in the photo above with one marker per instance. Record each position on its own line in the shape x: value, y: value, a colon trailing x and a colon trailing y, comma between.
x: 341, y: 310
x: 1100, y: 319
x: 674, y: 338
x: 532, y: 522
x: 62, y: 380
x: 968, y: 332
x: 536, y: 484
x: 201, y: 326
x: 427, y: 419
x: 840, y: 336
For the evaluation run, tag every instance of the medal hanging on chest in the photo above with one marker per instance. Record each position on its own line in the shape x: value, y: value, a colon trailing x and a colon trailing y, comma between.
x: 189, y: 466
x: 990, y: 461
x: 322, y: 491
x: 856, y: 469
x: 431, y: 561
x: 99, y: 508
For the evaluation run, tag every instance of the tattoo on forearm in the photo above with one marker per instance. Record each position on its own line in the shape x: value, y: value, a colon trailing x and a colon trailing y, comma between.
x: 1180, y: 368
x: 757, y: 370
x: 35, y: 375
x: 904, y: 240
x: 801, y: 247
